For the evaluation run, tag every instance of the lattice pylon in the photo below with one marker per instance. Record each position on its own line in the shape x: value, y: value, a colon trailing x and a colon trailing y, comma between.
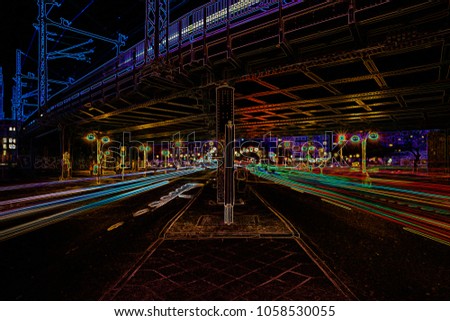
x: 156, y: 28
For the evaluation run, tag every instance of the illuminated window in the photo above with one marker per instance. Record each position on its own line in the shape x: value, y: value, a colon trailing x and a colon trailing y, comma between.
x: 12, y: 146
x: 5, y: 146
x: 10, y: 140
x: 4, y: 153
x: 10, y: 129
x: 5, y: 140
x: 14, y: 140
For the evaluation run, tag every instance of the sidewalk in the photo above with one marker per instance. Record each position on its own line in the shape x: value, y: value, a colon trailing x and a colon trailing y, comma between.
x: 259, y: 257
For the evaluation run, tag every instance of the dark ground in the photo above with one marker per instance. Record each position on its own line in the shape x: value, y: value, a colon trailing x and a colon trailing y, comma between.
x: 377, y: 259
x: 79, y: 259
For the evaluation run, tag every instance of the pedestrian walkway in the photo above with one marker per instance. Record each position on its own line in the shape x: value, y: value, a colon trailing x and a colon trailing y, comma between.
x: 259, y: 257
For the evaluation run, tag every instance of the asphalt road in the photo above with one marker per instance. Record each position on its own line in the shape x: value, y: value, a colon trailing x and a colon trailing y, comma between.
x: 376, y: 258
x: 77, y: 258
x: 82, y: 256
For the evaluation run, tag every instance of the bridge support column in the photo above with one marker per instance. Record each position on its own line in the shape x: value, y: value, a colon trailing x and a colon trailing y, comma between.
x: 225, y: 140
x: 229, y: 174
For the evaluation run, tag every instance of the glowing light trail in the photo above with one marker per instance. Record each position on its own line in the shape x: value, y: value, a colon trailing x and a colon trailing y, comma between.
x: 74, y: 181
x: 383, y: 200
x: 438, y: 203
x: 52, y: 219
x: 116, y: 188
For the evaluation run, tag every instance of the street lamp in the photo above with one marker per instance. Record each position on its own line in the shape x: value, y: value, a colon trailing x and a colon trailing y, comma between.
x: 373, y: 136
x: 145, y: 149
x: 342, y: 141
x: 95, y: 136
x: 165, y: 153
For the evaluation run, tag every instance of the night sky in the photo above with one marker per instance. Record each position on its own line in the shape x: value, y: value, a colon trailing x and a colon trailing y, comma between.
x: 16, y: 18
x: 103, y: 17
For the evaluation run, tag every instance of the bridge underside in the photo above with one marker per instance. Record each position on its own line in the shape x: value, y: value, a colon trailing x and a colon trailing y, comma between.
x: 301, y: 69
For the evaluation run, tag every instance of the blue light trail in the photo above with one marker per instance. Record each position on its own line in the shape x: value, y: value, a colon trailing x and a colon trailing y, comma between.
x: 112, y: 193
x: 425, y: 213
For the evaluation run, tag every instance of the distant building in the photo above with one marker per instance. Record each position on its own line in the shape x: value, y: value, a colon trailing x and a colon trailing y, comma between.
x: 439, y: 151
x: 8, y: 137
x: 8, y: 133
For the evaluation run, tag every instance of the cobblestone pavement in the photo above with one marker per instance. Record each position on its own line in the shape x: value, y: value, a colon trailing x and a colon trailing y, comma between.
x: 227, y: 269
x: 251, y: 260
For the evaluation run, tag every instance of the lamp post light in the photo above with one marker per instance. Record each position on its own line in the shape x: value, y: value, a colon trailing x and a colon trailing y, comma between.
x: 123, y: 153
x: 95, y: 136
x: 373, y: 136
x: 145, y: 148
x: 165, y: 153
x: 342, y: 140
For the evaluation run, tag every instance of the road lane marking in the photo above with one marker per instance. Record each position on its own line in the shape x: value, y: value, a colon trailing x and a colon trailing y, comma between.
x: 141, y: 212
x: 113, y: 227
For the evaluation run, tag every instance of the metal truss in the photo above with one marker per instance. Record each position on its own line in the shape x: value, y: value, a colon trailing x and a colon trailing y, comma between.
x: 265, y: 100
x: 156, y: 29
x: 43, y: 88
x: 24, y: 103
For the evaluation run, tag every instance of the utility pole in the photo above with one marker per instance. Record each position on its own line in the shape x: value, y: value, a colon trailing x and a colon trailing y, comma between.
x: 42, y: 49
